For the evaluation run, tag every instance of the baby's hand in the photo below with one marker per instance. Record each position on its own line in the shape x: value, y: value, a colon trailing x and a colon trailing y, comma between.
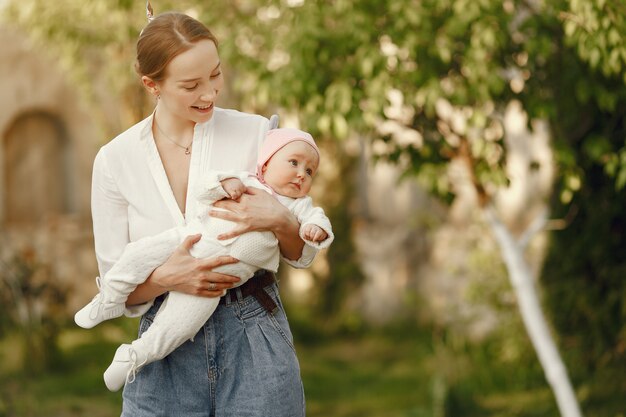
x: 314, y: 233
x: 233, y: 187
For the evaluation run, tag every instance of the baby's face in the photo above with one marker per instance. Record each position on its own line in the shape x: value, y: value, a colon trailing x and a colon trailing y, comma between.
x: 290, y: 171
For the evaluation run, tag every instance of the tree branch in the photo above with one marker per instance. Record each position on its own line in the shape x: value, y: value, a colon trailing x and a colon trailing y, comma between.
x: 465, y: 154
x: 537, y: 225
x: 560, y: 224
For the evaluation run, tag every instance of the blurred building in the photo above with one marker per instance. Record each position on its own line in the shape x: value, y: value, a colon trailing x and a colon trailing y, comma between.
x: 48, y: 142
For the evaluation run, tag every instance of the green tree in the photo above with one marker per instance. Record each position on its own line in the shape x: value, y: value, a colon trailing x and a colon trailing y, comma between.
x: 584, y: 269
x: 429, y: 81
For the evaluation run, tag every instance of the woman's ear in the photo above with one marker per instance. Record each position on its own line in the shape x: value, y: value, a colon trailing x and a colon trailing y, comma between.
x: 150, y: 85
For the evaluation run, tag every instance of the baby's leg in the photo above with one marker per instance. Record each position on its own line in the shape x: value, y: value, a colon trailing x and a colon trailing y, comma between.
x: 138, y: 261
x: 208, y: 247
x: 179, y: 318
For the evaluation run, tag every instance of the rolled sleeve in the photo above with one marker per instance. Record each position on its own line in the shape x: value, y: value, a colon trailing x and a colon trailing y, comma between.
x: 308, y: 255
x: 109, y: 211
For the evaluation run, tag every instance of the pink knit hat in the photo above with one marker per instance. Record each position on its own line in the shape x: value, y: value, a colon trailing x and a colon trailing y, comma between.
x: 276, y: 139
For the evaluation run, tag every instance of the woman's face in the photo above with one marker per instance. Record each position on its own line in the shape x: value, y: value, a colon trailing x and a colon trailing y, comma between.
x: 192, y: 83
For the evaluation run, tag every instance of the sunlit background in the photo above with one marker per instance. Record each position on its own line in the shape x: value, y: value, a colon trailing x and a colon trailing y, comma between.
x: 471, y: 149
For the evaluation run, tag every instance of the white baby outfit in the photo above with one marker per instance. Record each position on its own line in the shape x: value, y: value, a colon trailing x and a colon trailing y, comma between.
x: 132, y: 198
x: 181, y: 316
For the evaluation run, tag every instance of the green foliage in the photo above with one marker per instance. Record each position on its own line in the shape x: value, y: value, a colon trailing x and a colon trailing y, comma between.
x: 584, y: 274
x: 346, y: 277
x: 388, y: 69
x: 583, y: 104
x: 33, y: 308
x: 597, y: 29
x: 429, y: 79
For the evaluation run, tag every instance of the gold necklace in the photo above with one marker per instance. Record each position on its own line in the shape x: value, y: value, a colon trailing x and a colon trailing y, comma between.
x: 186, y: 148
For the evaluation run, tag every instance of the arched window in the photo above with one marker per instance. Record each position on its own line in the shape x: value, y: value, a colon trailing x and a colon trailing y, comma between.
x: 36, y: 169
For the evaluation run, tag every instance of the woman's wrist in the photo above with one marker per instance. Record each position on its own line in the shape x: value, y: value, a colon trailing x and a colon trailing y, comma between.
x: 161, y: 279
x: 155, y: 285
x: 285, y: 222
x: 287, y: 230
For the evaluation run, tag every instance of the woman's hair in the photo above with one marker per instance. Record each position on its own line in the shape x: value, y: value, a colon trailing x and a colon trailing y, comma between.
x: 166, y: 36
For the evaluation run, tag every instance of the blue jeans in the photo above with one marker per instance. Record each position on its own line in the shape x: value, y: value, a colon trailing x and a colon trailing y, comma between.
x: 241, y: 363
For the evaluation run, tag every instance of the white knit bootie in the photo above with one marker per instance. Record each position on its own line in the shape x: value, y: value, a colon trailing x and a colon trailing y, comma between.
x: 99, y: 309
x: 125, y: 365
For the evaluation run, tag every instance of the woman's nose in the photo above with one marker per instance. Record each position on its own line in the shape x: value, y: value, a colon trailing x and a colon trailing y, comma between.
x: 209, y: 93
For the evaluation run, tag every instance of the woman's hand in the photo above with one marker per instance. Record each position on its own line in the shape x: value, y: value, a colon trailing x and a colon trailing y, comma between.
x: 184, y: 273
x: 256, y: 210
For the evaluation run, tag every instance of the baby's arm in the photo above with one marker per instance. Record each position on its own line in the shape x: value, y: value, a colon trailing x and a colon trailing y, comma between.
x: 315, y: 228
x: 221, y: 184
x: 234, y: 187
x: 314, y: 233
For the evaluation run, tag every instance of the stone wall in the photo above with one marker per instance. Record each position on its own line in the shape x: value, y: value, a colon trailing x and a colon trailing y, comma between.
x: 47, y: 144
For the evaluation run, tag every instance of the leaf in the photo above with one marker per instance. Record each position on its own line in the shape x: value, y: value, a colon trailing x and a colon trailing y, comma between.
x: 620, y: 181
x: 340, y: 126
x: 597, y: 147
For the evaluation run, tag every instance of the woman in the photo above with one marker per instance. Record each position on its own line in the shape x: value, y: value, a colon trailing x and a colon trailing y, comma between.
x: 242, y: 362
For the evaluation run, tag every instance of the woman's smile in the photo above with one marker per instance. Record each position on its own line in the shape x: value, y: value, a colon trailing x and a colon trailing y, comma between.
x: 204, y: 109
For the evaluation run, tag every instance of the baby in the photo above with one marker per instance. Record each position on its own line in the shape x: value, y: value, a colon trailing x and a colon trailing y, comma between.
x: 287, y: 163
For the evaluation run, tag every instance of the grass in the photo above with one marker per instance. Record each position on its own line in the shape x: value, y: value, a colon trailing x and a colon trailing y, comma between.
x: 69, y: 386
x: 366, y: 375
x: 399, y: 371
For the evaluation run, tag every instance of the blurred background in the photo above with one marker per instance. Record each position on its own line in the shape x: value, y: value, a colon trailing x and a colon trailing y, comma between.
x: 440, y: 122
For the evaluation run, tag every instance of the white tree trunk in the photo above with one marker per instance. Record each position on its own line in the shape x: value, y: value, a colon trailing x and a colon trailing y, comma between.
x: 521, y: 278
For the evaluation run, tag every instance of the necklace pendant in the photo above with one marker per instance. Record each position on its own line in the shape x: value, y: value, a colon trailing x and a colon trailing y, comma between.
x: 187, y: 151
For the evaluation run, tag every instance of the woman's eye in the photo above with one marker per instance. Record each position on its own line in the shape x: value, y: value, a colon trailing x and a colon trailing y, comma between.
x: 309, y: 172
x: 216, y: 75
x: 191, y: 88
x: 293, y: 162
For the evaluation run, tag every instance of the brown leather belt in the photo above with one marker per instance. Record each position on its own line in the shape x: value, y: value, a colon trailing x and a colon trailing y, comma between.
x: 256, y: 287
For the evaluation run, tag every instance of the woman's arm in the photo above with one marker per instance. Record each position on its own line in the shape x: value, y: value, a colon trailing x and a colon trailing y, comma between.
x: 256, y: 210
x: 109, y: 211
x: 181, y: 272
x: 184, y: 273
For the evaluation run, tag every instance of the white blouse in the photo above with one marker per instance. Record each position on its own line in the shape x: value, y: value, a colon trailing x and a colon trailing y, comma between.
x: 131, y: 196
